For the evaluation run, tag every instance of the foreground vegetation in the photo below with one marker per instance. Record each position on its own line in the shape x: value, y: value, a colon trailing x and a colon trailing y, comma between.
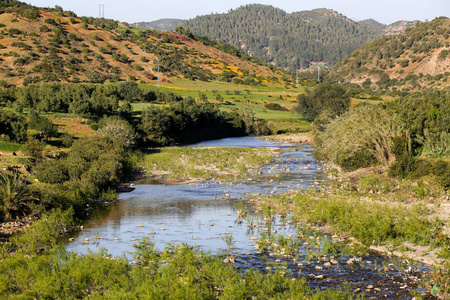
x: 177, y: 272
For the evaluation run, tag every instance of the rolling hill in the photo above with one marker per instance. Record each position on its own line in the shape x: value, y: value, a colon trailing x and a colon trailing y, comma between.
x: 417, y: 59
x: 55, y: 45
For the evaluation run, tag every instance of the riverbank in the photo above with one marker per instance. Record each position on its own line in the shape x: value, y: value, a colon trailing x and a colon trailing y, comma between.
x: 184, y: 203
x: 370, y: 211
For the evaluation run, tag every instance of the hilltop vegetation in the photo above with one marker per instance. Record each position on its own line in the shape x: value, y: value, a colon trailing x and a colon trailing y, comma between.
x: 290, y: 41
x: 416, y: 60
x: 56, y: 45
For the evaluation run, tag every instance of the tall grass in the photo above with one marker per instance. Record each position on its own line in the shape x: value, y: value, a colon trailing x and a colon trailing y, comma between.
x: 179, y: 272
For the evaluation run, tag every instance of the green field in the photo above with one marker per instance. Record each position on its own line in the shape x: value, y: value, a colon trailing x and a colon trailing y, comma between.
x: 10, y: 147
x: 242, y: 98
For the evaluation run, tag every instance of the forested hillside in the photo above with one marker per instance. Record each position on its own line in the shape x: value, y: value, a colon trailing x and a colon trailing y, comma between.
x: 417, y: 59
x: 51, y: 45
x: 288, y: 40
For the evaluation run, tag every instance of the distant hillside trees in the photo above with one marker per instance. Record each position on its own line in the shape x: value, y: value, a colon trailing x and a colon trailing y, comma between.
x: 286, y: 40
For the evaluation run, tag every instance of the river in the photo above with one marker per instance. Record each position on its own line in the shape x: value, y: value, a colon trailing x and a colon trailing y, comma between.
x: 205, y: 214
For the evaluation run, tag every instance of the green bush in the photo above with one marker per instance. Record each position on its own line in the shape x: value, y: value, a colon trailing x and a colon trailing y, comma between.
x: 118, y: 131
x: 43, y: 233
x: 360, y: 137
x: 34, y: 148
x: 403, y: 166
x: 425, y: 118
x: 353, y: 161
x: 67, y: 140
x: 42, y: 125
x: 275, y: 106
x: 400, y: 146
x: 52, y: 171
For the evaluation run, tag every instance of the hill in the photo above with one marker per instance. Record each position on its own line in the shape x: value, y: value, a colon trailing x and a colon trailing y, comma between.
x: 55, y: 45
x: 162, y: 24
x: 410, y: 61
x: 288, y: 40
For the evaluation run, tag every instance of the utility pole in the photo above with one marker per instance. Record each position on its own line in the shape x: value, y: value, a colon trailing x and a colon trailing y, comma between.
x: 296, y: 78
x: 101, y: 10
x: 318, y: 73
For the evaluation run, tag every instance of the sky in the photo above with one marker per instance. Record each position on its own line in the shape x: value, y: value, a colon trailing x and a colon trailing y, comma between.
x: 131, y: 11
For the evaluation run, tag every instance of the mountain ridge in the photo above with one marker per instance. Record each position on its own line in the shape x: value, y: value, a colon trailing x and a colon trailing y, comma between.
x: 291, y: 40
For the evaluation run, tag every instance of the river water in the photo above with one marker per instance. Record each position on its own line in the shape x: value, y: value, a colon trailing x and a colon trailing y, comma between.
x: 205, y: 214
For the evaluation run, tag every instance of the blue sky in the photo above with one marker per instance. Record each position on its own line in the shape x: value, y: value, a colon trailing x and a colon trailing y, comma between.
x: 384, y: 11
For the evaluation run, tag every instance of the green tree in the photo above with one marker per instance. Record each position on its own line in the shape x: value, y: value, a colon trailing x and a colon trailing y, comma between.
x: 13, y: 127
x: 330, y: 99
x: 34, y: 148
x: 118, y: 130
x: 129, y: 91
x: 156, y: 123
x: 42, y: 125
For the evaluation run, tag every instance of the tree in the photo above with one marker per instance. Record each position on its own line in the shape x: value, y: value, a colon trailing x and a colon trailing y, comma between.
x: 129, y: 91
x: 155, y: 123
x: 43, y: 125
x: 13, y: 127
x: 125, y: 110
x: 329, y: 98
x: 118, y: 130
x: 34, y: 148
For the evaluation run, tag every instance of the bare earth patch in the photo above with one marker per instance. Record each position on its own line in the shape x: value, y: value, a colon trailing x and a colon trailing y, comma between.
x: 293, y: 138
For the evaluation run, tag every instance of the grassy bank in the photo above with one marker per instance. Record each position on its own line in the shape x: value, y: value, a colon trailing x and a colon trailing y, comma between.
x: 370, y: 211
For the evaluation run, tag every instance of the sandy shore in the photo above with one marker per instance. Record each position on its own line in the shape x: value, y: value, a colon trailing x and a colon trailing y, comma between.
x: 293, y: 138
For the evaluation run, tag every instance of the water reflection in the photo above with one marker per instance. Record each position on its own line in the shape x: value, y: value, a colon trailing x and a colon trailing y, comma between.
x: 201, y: 214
